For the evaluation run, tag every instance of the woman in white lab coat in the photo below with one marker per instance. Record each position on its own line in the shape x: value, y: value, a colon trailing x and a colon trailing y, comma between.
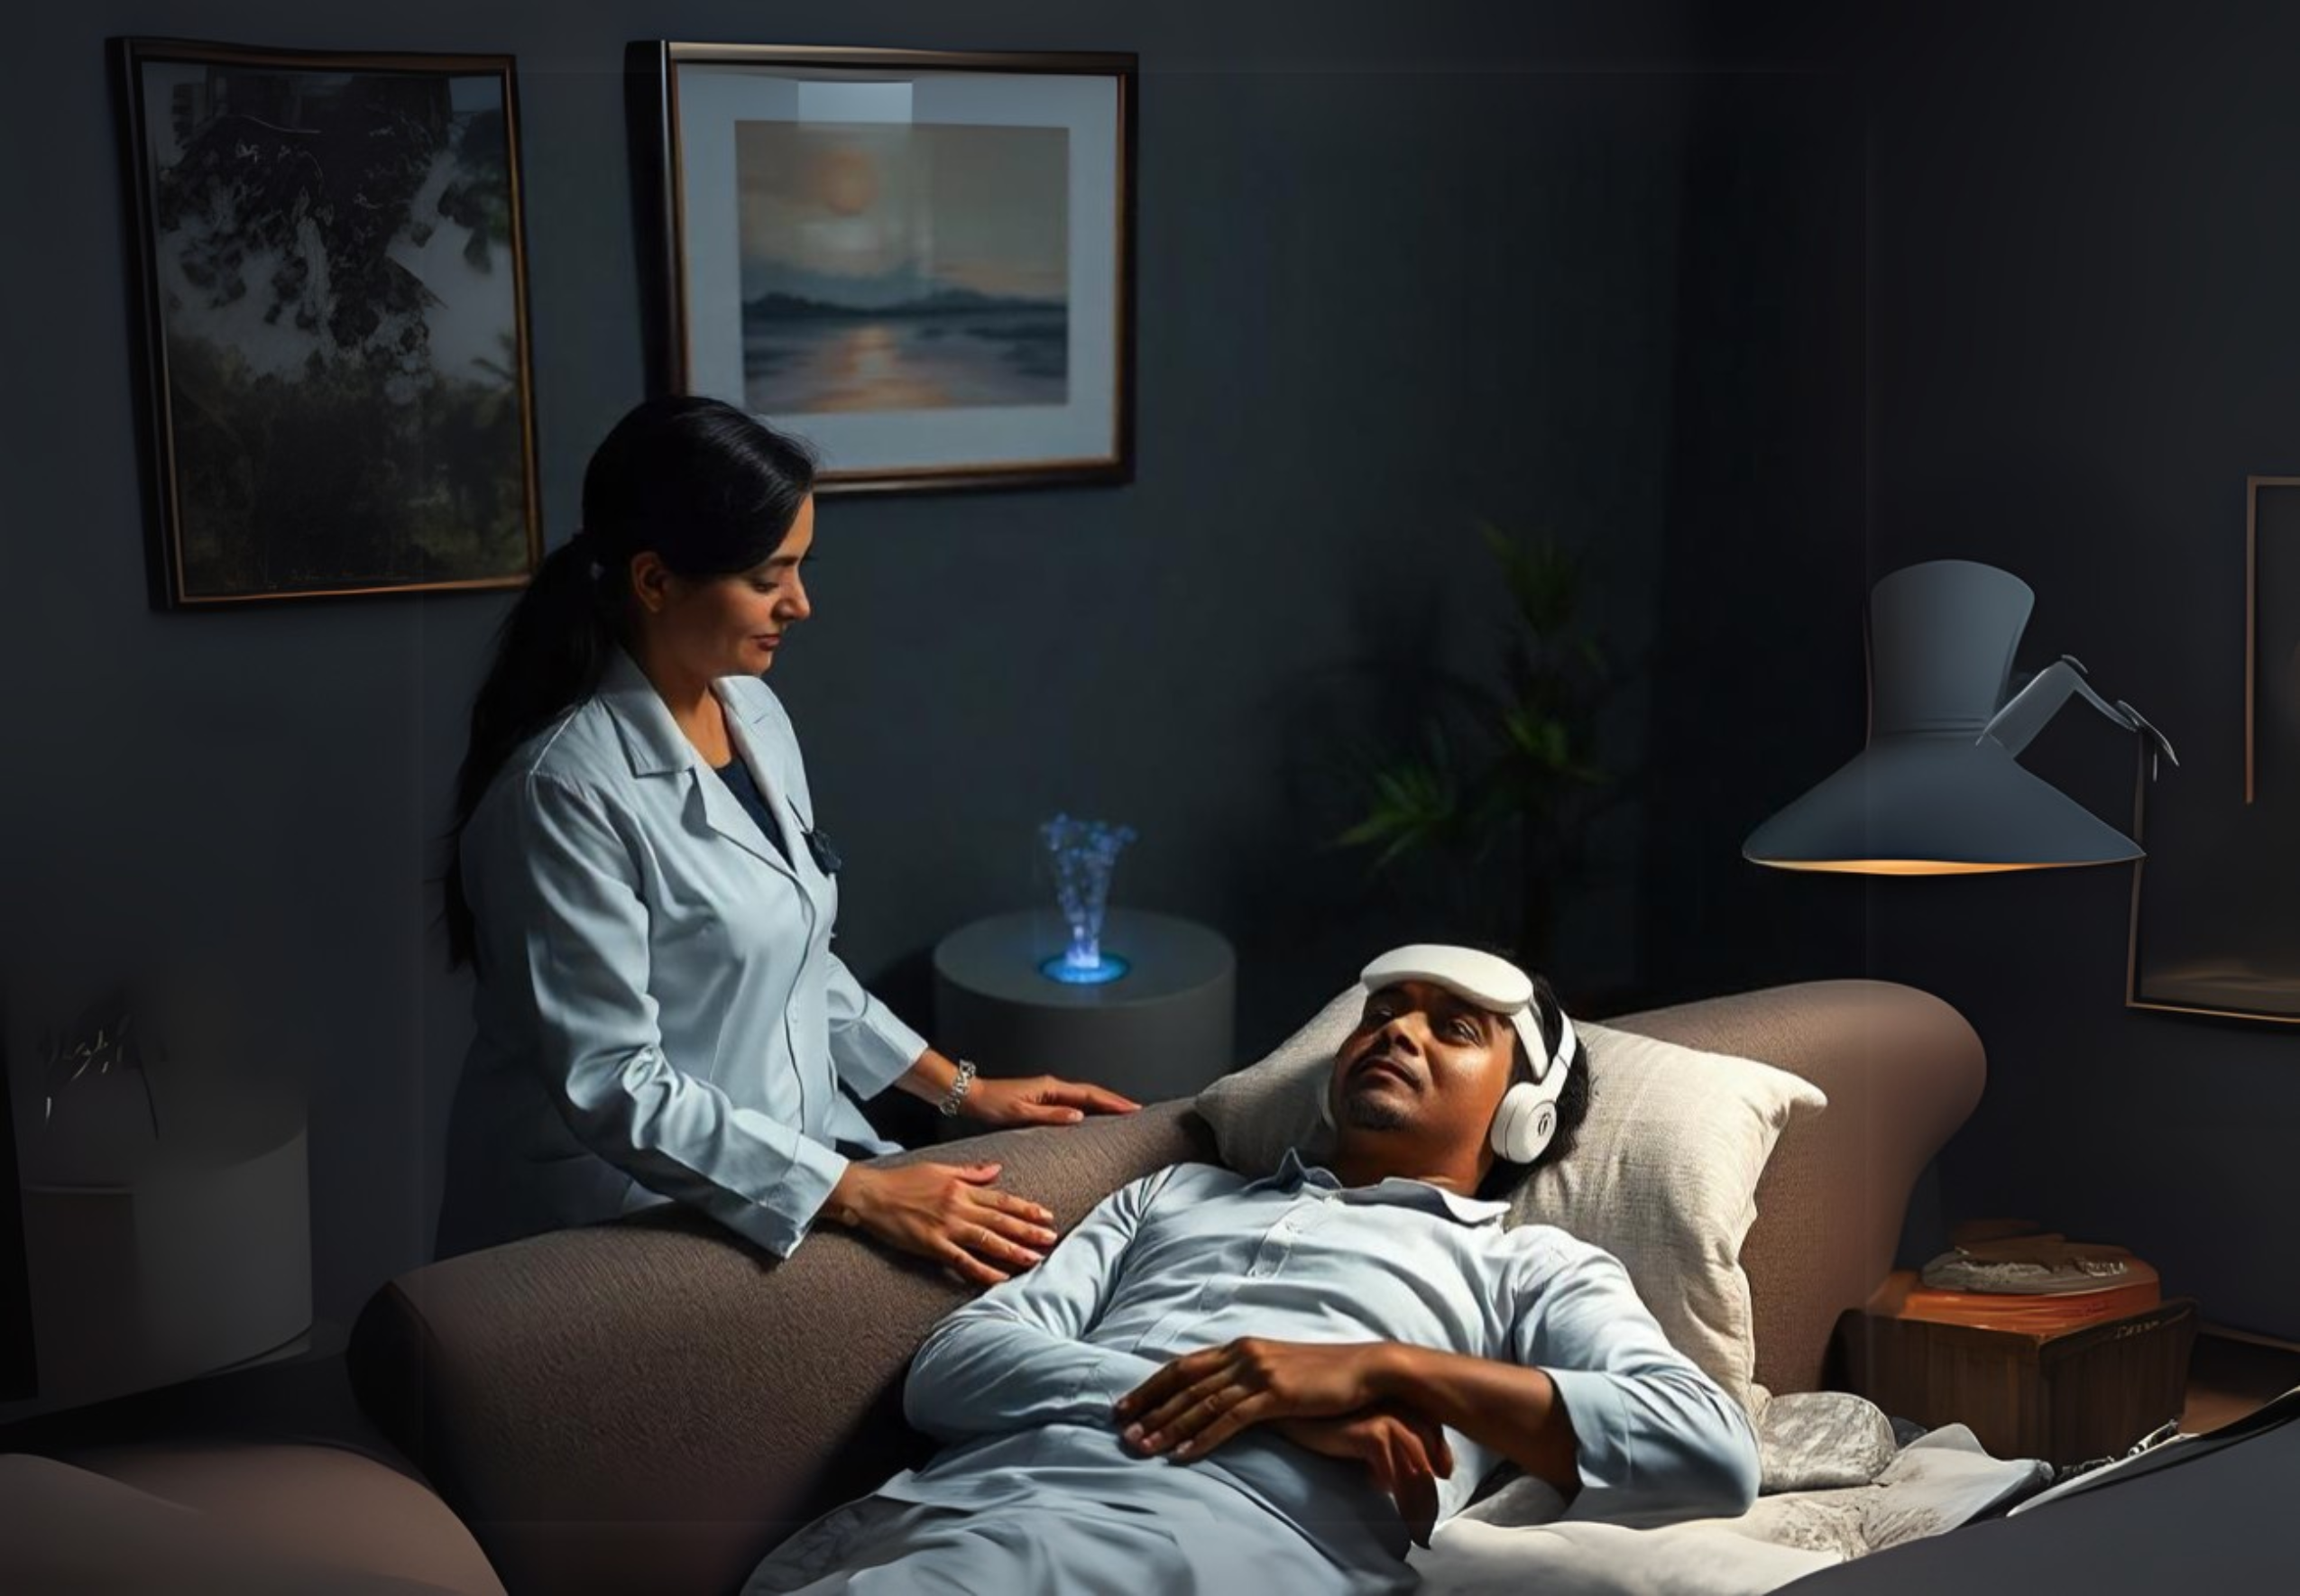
x: 636, y: 879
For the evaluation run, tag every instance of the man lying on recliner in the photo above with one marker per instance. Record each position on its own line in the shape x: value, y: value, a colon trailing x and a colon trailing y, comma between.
x: 1220, y: 1384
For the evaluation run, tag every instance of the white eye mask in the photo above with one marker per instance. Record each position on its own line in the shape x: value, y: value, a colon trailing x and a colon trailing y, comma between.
x: 1527, y: 1117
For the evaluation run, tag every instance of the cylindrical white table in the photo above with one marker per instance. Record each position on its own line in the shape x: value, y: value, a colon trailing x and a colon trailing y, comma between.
x: 1163, y: 1029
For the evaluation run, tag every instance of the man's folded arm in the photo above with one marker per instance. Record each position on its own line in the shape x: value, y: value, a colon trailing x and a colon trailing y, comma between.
x: 1646, y: 1423
x: 1017, y: 1357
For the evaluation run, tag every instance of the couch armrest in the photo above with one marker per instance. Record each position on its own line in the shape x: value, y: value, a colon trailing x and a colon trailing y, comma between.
x: 258, y: 1522
x: 1902, y: 1071
x: 652, y: 1404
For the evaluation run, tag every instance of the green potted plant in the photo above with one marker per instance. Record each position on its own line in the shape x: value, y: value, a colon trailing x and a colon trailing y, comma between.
x: 1503, y: 769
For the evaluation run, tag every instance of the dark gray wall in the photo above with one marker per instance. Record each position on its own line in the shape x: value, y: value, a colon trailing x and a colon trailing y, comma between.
x: 2082, y: 259
x: 1756, y: 650
x: 1398, y: 268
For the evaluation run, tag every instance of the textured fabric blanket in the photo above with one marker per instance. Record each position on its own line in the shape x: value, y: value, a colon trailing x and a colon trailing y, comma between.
x: 1835, y: 1489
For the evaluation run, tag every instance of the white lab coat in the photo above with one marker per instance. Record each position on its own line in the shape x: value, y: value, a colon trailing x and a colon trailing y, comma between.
x: 661, y: 1014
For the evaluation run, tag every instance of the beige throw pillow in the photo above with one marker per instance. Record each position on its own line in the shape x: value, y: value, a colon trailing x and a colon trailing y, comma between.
x: 1663, y: 1175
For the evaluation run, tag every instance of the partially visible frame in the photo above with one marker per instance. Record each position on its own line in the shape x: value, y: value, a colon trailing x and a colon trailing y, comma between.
x: 19, y: 1361
x: 2215, y: 925
x: 921, y: 261
x: 332, y: 295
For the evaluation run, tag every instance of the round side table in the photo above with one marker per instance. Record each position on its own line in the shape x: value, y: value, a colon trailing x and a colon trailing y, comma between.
x: 1163, y: 1029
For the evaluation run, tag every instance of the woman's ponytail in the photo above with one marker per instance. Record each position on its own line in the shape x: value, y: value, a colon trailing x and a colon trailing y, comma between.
x: 551, y: 653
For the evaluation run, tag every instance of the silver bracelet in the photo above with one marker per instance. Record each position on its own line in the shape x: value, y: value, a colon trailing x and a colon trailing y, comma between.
x: 960, y: 1084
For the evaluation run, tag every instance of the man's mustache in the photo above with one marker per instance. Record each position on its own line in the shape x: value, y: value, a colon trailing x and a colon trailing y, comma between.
x: 1383, y: 1059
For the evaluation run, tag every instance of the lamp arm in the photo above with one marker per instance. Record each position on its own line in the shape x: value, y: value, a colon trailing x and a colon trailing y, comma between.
x: 2028, y: 711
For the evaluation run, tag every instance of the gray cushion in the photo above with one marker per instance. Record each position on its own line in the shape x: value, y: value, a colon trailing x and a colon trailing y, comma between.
x: 1821, y: 1441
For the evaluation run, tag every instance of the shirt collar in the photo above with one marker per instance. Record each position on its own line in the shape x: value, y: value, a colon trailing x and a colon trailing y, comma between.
x: 1294, y: 1170
x: 652, y: 740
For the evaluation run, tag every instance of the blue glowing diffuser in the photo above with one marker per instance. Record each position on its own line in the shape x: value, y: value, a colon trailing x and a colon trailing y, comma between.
x: 1085, y: 852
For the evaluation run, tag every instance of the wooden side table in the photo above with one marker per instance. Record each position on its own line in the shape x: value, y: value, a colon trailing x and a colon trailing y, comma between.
x: 2064, y: 1395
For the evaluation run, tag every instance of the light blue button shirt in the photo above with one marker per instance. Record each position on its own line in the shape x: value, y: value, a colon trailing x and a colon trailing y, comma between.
x: 1021, y: 1378
x: 660, y: 1012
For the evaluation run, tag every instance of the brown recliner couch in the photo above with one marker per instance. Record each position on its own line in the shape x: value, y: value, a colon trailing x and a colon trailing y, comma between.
x: 648, y: 1406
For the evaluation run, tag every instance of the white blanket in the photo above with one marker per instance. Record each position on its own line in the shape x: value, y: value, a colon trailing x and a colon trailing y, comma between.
x: 1522, y: 1540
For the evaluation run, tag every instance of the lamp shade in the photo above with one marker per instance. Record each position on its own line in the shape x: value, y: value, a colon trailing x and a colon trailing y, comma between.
x: 1931, y: 794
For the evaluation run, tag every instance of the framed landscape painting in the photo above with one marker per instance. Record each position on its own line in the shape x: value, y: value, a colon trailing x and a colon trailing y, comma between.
x: 919, y: 262
x: 332, y: 296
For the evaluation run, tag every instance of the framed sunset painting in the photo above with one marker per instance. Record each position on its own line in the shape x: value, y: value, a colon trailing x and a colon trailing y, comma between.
x: 919, y: 262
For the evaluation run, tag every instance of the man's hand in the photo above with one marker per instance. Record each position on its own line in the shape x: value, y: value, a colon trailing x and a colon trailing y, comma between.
x: 1406, y: 1453
x: 1200, y: 1400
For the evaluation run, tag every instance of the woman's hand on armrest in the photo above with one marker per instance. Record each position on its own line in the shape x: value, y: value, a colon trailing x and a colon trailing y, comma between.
x: 949, y: 1213
x: 1022, y: 1100
x: 1040, y: 1100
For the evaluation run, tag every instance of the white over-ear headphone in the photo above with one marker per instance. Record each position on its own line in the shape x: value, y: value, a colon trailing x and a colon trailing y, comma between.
x: 1528, y: 1116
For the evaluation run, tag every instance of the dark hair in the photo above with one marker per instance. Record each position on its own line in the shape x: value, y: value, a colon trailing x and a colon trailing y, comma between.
x: 710, y: 489
x: 1573, y: 1098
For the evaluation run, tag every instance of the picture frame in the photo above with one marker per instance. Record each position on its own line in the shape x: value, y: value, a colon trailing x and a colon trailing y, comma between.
x: 920, y: 262
x: 330, y: 273
x: 2213, y: 931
